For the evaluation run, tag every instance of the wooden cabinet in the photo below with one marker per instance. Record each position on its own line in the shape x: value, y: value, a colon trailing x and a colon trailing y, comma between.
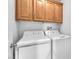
x: 57, y: 0
x: 54, y: 0
x: 24, y: 9
x: 50, y: 0
x: 58, y: 13
x: 50, y: 11
x: 39, y: 10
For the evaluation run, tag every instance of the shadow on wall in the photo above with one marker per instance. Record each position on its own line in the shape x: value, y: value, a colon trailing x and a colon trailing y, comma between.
x: 26, y: 25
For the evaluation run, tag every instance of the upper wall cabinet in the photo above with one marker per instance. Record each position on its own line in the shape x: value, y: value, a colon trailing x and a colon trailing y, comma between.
x: 57, y: 0
x: 59, y: 13
x: 54, y: 0
x: 50, y: 11
x: 24, y: 9
x: 39, y: 10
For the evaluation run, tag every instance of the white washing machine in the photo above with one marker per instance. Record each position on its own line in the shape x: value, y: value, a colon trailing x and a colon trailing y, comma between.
x: 61, y: 44
x: 33, y: 45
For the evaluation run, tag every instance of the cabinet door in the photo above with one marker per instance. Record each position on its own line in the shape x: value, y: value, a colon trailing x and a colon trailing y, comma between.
x: 24, y: 9
x: 39, y: 10
x: 59, y: 13
x: 57, y: 0
x: 54, y: 0
x: 50, y: 0
x: 50, y: 11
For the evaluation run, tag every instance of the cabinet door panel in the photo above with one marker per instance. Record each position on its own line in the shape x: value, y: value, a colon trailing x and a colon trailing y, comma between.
x: 50, y: 0
x: 39, y: 10
x: 57, y: 0
x: 49, y: 12
x: 58, y: 12
x: 24, y: 9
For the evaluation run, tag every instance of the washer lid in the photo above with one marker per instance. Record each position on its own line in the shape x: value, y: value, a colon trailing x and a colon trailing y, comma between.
x: 55, y: 34
x: 61, y: 36
x: 32, y: 37
x: 32, y: 40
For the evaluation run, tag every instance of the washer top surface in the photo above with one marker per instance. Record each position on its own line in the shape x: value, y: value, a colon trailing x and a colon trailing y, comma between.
x: 61, y: 36
x: 32, y: 37
x: 55, y: 35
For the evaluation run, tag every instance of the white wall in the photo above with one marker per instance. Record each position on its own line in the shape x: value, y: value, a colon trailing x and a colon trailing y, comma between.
x: 53, y: 25
x: 11, y: 20
x: 66, y: 26
x: 26, y: 25
x: 12, y: 28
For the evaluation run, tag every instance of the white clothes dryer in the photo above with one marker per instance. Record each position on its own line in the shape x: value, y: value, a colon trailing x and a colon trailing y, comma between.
x: 61, y: 44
